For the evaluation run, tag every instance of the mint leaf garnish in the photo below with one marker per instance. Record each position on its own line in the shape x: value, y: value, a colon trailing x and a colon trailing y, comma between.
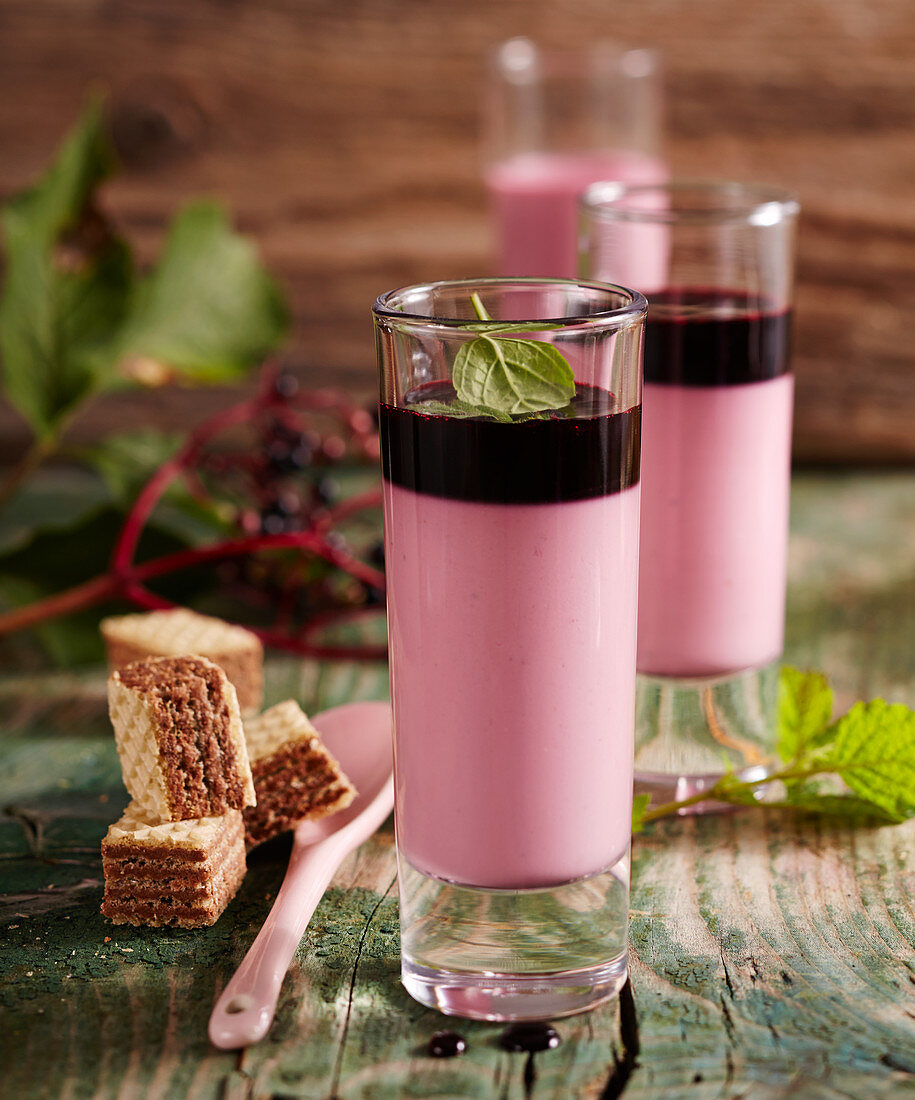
x: 460, y: 410
x: 499, y: 377
x: 860, y: 768
x: 512, y: 376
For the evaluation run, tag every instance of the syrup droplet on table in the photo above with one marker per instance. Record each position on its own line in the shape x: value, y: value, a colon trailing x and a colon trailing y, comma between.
x: 447, y: 1044
x: 530, y: 1037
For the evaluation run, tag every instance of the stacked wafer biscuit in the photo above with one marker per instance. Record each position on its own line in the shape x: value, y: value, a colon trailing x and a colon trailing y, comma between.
x: 176, y: 872
x: 294, y: 775
x: 178, y: 633
x: 177, y: 856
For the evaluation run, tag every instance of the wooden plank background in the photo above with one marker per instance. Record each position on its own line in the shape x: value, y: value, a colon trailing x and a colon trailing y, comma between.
x: 345, y: 138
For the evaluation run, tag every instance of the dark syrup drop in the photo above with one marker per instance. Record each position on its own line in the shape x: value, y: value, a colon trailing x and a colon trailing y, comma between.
x: 530, y: 1038
x: 446, y: 1044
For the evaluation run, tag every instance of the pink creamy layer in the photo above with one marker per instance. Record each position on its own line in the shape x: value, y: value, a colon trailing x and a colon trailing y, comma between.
x: 713, y: 559
x: 534, y: 202
x: 512, y: 633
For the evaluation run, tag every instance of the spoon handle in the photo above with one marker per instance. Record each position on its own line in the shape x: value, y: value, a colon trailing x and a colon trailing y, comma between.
x: 245, y: 1008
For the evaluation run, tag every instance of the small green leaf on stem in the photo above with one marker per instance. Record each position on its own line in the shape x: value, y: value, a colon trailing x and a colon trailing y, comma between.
x: 640, y: 804
x: 870, y: 750
x: 805, y: 705
x: 874, y: 753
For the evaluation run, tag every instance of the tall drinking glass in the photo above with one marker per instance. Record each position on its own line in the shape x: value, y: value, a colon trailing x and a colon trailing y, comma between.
x: 555, y: 123
x: 716, y: 262
x: 511, y: 546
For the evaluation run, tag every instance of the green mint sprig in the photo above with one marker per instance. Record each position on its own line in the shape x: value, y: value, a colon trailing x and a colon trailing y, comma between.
x: 500, y: 377
x: 868, y: 754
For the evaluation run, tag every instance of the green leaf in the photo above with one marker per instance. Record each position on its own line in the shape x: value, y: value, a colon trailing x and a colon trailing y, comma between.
x: 71, y: 311
x: 127, y: 462
x: 209, y: 310
x: 805, y: 703
x: 874, y: 753
x: 53, y: 502
x: 66, y: 284
x: 41, y: 213
x: 68, y: 641
x: 640, y: 804
x: 512, y: 376
x: 460, y: 410
x: 807, y: 798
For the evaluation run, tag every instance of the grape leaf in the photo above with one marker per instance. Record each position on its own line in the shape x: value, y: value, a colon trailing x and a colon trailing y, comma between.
x: 127, y: 461
x: 805, y: 704
x: 74, y: 317
x: 209, y: 310
x: 53, y: 502
x: 66, y: 285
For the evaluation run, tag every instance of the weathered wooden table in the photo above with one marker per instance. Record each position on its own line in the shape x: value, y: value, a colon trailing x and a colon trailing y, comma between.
x: 770, y: 956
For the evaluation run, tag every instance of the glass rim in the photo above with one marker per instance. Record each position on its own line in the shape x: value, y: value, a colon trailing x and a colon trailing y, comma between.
x: 757, y: 204
x: 636, y: 307
x: 521, y: 60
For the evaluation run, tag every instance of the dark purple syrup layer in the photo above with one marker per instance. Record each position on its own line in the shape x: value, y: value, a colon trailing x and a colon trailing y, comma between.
x: 705, y: 337
x: 591, y: 454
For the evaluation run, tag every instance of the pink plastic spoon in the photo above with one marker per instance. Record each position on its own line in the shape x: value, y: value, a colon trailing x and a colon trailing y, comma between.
x: 359, y: 735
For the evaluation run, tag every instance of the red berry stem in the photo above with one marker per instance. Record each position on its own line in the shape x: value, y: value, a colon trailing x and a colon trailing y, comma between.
x: 128, y: 580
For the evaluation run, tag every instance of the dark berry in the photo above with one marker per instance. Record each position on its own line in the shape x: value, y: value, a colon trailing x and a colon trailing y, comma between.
x: 327, y: 491
x: 285, y: 384
x: 287, y: 456
x: 281, y: 514
x: 446, y: 1044
x: 272, y: 523
x: 334, y: 448
x: 530, y: 1037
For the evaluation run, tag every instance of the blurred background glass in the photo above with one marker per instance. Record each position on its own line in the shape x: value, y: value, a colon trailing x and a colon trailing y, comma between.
x: 556, y: 122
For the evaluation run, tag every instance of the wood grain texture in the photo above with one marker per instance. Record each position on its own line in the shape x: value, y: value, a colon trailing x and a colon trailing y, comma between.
x: 771, y: 956
x: 346, y: 139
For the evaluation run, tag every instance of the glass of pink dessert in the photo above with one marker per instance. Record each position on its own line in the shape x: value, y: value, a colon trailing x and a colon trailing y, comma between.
x: 556, y: 122
x: 510, y: 422
x: 716, y: 263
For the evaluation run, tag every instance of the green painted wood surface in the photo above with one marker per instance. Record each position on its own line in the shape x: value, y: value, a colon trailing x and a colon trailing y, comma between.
x: 770, y: 957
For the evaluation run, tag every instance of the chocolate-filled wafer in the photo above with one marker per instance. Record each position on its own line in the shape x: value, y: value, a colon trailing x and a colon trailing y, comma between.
x: 180, y: 738
x: 181, y: 633
x: 295, y: 777
x: 176, y: 873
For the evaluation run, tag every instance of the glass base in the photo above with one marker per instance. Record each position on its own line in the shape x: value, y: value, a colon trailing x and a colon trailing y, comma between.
x: 514, y: 954
x: 689, y: 732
